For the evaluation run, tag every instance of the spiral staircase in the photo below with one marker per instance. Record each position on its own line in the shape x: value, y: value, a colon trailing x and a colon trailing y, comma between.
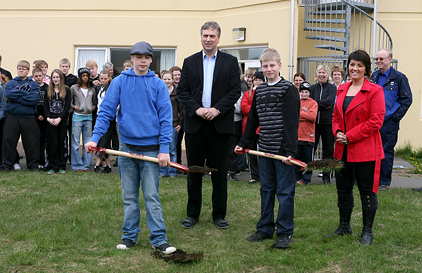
x: 340, y: 27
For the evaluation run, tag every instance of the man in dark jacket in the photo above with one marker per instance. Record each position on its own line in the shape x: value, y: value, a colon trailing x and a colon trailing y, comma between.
x: 208, y: 89
x: 398, y: 98
x: 5, y: 72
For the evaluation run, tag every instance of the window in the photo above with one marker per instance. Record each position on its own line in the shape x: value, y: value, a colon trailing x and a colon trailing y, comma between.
x: 247, y: 56
x: 164, y: 58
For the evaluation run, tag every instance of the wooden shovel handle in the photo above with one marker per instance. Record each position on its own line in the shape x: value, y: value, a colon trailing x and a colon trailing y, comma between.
x: 140, y: 157
x: 278, y: 157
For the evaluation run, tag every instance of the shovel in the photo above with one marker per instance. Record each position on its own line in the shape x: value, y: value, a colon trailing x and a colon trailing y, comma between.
x: 192, y: 169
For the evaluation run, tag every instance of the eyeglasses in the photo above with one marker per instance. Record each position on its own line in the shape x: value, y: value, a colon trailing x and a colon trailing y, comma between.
x: 380, y: 59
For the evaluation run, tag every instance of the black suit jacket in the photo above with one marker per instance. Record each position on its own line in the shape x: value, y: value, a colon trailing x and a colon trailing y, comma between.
x: 225, y: 91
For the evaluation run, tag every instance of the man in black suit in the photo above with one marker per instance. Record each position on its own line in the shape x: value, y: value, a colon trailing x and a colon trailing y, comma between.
x: 208, y: 89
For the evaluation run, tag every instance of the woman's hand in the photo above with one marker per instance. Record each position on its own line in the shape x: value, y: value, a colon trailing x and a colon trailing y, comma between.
x: 178, y: 128
x: 342, y: 139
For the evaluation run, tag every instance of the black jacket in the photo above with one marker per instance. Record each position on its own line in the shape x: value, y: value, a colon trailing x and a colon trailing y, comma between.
x: 325, y: 96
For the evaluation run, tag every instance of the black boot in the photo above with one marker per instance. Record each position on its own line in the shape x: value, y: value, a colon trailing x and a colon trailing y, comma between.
x: 368, y: 220
x: 344, y: 227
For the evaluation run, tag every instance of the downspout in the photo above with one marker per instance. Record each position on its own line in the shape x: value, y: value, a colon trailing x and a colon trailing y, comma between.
x: 374, y: 32
x: 292, y: 29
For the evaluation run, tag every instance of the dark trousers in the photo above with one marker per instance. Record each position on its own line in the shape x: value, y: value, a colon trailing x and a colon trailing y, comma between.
x: 68, y: 136
x: 216, y: 147
x: 304, y: 153
x: 364, y: 174
x: 42, y: 125
x: 233, y: 141
x: 57, y: 140
x: 389, y: 132
x: 179, y: 145
x: 105, y: 140
x: 326, y: 133
x: 27, y: 128
x: 253, y: 160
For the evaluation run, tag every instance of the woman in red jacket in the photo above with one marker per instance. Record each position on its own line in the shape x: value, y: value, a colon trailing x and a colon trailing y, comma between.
x: 245, y: 107
x: 358, y: 115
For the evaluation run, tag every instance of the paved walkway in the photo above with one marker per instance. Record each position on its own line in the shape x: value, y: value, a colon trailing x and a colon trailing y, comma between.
x: 400, y: 177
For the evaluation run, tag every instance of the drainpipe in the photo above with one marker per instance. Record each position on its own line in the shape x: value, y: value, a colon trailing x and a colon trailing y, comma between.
x: 375, y: 28
x: 292, y: 29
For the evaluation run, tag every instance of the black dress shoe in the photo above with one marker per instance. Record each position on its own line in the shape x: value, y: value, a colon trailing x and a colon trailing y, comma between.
x: 259, y: 236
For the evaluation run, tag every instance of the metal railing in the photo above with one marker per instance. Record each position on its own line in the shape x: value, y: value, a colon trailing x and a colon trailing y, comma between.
x: 342, y: 26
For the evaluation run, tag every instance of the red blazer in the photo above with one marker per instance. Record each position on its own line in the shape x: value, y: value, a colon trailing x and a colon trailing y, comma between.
x: 363, y: 120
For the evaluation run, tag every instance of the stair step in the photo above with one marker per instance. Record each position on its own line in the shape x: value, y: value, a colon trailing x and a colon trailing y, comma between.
x: 327, y: 38
x: 335, y: 30
x: 333, y: 47
x: 323, y: 12
x: 326, y: 21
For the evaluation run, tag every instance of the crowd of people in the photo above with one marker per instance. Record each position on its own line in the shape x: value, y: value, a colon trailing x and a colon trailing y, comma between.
x: 221, y: 114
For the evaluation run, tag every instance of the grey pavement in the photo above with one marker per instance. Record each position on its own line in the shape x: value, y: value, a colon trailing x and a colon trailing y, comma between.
x: 398, y: 181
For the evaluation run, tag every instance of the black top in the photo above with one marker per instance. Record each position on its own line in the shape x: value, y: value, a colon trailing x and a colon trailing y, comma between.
x: 347, y: 101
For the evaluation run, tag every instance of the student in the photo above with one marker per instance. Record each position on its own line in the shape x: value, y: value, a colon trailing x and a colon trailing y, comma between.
x: 127, y: 65
x: 38, y: 76
x: 56, y: 106
x: 69, y: 78
x: 22, y: 98
x: 110, y: 67
x: 246, y: 104
x: 306, y: 133
x: 275, y: 108
x: 83, y: 103
x: 145, y: 128
x: 177, y: 122
x: 2, y: 106
x: 105, y: 140
x: 93, y: 72
x: 43, y: 65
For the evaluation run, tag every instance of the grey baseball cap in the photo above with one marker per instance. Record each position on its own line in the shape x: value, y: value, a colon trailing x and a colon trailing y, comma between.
x: 142, y: 48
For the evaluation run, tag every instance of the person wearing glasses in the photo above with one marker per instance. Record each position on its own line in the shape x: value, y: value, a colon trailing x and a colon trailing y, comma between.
x: 398, y: 98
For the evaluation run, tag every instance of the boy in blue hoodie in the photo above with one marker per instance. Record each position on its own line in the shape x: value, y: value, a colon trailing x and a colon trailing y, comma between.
x: 21, y: 109
x: 145, y: 126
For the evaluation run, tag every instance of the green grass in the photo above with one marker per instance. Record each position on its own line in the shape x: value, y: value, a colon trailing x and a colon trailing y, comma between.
x: 72, y: 223
x: 413, y: 156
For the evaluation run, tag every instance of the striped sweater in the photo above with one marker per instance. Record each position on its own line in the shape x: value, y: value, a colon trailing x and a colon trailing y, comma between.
x: 276, y: 109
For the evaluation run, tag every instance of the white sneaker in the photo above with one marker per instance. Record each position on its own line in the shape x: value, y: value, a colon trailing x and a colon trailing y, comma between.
x: 17, y: 167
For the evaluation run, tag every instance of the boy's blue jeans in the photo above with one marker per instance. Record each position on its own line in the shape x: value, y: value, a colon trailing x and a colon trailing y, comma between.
x: 277, y: 179
x: 135, y: 173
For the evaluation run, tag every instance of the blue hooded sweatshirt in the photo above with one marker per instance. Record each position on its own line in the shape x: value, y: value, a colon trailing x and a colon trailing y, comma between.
x: 145, y: 114
x: 22, y: 97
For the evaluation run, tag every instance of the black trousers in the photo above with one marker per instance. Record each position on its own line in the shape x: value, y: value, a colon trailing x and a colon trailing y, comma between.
x: 214, y: 147
x: 326, y: 133
x: 57, y: 144
x: 42, y: 125
x: 233, y: 141
x: 105, y: 140
x: 364, y: 174
x: 27, y: 128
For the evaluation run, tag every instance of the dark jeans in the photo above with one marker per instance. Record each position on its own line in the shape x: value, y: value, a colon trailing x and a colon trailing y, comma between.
x: 27, y: 129
x: 277, y: 180
x: 364, y: 174
x: 57, y: 138
x: 305, y: 154
x: 326, y: 133
x: 214, y: 147
x: 389, y: 132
